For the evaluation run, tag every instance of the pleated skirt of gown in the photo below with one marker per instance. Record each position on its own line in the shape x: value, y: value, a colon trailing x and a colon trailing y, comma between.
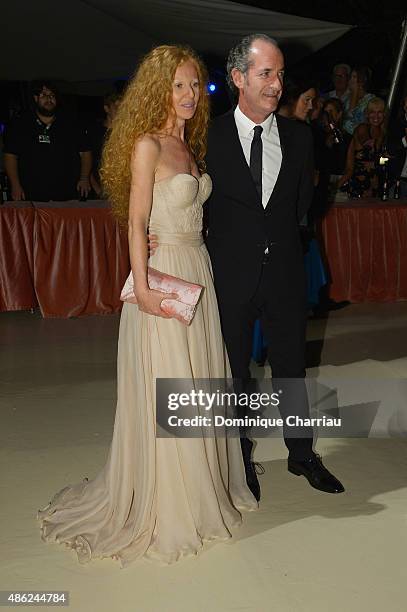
x: 159, y: 498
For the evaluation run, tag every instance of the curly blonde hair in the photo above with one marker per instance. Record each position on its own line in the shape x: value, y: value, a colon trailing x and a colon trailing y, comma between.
x: 145, y: 108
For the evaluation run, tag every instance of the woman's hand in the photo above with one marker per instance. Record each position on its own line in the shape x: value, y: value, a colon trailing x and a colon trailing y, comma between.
x: 152, y: 244
x: 149, y: 301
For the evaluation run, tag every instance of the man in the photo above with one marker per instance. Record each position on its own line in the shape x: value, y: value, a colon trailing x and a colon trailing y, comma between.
x: 262, y: 173
x: 97, y: 135
x: 397, y: 146
x: 46, y: 155
x: 340, y: 78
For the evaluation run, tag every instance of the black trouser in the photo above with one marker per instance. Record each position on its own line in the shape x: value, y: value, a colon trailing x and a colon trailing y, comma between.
x: 283, y: 323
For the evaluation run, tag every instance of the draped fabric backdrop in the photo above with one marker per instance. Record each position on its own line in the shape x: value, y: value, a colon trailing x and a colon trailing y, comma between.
x: 103, y: 39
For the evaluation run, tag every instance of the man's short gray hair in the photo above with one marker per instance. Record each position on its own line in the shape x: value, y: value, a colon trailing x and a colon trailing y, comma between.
x: 239, y: 56
x: 346, y: 67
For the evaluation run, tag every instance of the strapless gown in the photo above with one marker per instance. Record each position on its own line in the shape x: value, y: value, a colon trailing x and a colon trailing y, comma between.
x: 159, y: 498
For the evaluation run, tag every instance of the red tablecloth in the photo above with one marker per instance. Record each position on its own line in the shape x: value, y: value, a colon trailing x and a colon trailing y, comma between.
x: 71, y: 259
x: 366, y: 251
x: 16, y: 257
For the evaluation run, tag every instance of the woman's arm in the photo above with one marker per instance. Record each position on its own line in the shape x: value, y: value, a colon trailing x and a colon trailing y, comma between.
x: 144, y: 162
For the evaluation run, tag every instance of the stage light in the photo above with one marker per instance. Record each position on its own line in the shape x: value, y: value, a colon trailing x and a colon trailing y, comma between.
x: 211, y: 87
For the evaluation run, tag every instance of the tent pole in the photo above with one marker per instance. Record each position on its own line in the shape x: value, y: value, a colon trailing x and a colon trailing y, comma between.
x: 399, y: 63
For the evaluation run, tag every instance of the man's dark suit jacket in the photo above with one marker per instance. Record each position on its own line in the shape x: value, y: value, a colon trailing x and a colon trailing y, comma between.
x: 240, y: 228
x: 396, y: 148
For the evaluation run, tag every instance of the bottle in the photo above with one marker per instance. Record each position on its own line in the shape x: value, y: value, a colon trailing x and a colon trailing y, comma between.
x: 337, y: 136
x: 396, y: 194
x: 384, y: 163
x: 385, y: 190
x: 4, y: 188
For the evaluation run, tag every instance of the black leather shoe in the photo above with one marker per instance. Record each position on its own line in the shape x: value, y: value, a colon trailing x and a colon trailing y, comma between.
x: 250, y: 467
x: 316, y: 474
x: 321, y: 310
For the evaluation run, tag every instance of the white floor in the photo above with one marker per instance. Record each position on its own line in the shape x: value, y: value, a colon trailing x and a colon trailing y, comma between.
x: 302, y: 551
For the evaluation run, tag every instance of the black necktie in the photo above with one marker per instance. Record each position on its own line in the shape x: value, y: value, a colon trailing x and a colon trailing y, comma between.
x: 256, y: 155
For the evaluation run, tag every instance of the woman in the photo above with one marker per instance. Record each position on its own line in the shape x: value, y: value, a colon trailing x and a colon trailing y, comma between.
x: 158, y: 497
x: 300, y: 101
x: 358, y: 99
x: 362, y: 170
x: 332, y: 143
x: 297, y: 99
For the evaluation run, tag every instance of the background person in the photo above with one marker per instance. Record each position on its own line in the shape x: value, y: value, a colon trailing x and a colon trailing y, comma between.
x: 46, y: 153
x: 97, y: 137
x: 359, y: 98
x: 340, y: 78
x: 362, y: 172
x: 397, y: 147
x: 331, y: 148
x: 297, y: 100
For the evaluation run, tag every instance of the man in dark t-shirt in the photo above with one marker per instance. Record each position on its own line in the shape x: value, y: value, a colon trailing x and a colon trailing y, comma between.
x: 46, y: 154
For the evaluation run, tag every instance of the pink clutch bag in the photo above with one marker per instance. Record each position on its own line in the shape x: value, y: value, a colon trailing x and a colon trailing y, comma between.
x: 183, y: 308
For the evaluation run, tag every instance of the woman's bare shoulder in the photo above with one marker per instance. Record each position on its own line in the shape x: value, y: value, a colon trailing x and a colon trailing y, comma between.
x: 146, y: 152
x: 147, y: 143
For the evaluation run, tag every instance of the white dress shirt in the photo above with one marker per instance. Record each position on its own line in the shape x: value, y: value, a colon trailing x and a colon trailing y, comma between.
x: 272, y: 156
x: 344, y: 98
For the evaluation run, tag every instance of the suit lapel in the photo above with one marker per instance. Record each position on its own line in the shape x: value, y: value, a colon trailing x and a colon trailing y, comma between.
x: 282, y: 133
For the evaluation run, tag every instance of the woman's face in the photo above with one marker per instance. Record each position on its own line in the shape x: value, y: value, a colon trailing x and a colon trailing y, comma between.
x: 304, y: 107
x: 185, y: 90
x: 334, y: 115
x: 375, y: 115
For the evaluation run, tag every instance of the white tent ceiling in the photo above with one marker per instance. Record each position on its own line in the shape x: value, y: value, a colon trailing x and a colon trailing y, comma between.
x: 83, y: 40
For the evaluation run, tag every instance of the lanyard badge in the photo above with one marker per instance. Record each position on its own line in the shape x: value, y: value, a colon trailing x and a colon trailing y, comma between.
x: 44, y: 137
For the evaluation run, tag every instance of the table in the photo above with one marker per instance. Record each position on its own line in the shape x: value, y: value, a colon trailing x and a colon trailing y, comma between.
x: 365, y: 243
x: 69, y: 258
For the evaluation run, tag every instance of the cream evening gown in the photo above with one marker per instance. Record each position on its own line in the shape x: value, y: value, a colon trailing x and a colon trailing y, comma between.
x: 155, y: 497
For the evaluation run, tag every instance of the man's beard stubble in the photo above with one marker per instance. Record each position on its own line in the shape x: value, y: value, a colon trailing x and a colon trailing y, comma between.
x: 44, y: 111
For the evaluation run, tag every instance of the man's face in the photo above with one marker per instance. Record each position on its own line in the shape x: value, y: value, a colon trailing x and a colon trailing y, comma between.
x: 261, y: 86
x: 46, y: 102
x: 340, y: 79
